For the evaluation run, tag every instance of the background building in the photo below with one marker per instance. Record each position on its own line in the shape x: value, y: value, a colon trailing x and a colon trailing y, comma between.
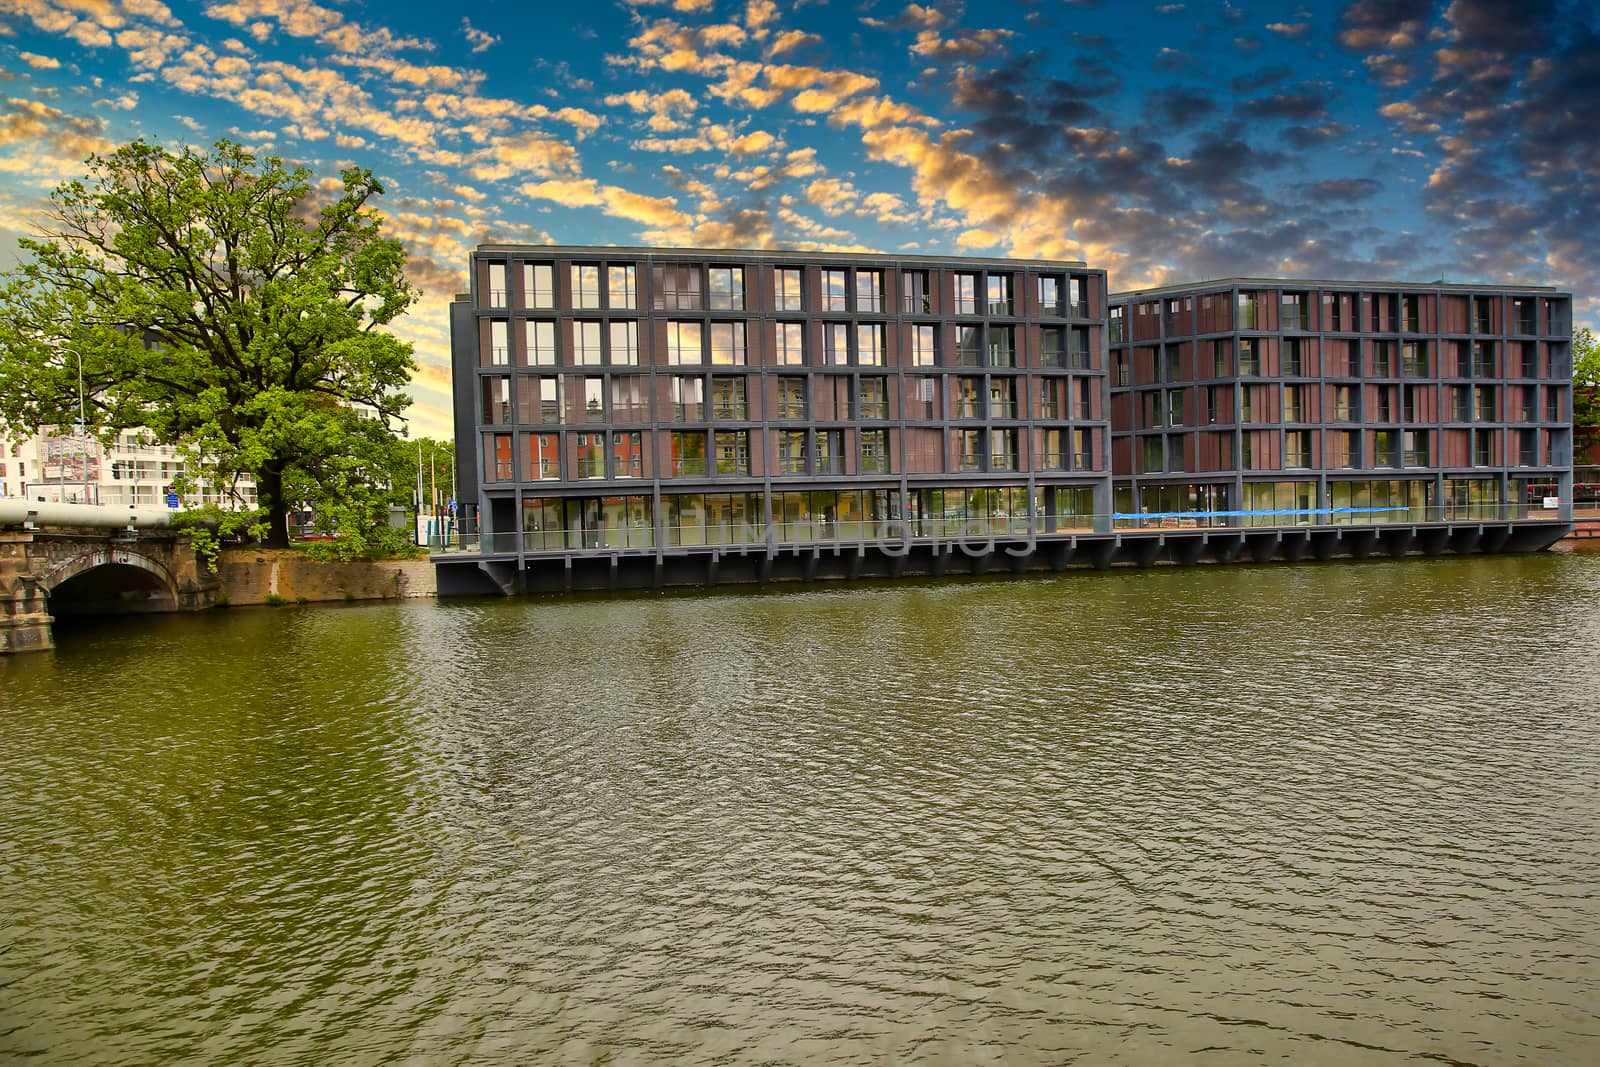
x: 1304, y: 401
x: 56, y: 464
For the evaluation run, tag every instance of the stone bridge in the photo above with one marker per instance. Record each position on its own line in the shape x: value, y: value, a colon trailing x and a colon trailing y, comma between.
x: 49, y: 572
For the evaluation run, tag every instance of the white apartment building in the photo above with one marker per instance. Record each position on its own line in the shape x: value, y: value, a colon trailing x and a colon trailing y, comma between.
x: 60, y: 466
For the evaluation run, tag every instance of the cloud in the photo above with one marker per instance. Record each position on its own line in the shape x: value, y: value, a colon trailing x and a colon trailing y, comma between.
x: 38, y: 62
x: 478, y: 39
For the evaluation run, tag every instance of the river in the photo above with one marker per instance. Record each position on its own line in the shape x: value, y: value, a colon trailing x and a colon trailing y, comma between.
x: 1322, y: 813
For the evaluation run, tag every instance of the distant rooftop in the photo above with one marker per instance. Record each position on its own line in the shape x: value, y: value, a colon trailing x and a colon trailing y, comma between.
x: 1321, y: 283
x: 766, y: 254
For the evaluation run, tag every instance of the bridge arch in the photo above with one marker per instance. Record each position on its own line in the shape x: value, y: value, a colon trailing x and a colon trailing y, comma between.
x: 109, y: 580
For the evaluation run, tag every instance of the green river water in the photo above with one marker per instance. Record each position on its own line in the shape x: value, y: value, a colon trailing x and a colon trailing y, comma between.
x: 1341, y: 813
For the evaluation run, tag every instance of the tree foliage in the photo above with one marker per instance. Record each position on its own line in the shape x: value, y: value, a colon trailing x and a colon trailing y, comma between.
x: 235, y: 310
x: 1585, y: 386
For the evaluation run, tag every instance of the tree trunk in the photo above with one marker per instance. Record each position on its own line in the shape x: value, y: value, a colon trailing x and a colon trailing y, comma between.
x: 269, y: 494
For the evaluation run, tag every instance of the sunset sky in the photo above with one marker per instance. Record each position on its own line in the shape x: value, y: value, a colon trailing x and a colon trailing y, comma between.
x: 1393, y: 139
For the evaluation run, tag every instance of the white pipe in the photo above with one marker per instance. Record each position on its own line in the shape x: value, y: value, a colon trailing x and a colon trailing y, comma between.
x: 15, y: 511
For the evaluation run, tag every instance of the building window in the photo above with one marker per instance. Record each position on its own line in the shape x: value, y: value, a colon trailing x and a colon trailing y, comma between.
x: 688, y: 399
x: 623, y: 286
x: 874, y: 452
x: 727, y: 288
x: 1003, y: 450
x: 544, y: 457
x: 1346, y: 403
x: 585, y: 285
x: 499, y: 347
x: 969, y: 450
x: 1247, y: 311
x: 627, y: 455
x: 497, y: 285
x: 586, y: 344
x: 1297, y: 449
x: 1250, y: 358
x: 786, y: 289
x: 1051, y: 294
x: 732, y: 451
x: 914, y: 294
x: 1382, y: 359
x: 541, y: 336
x: 1002, y: 346
x: 1414, y: 359
x: 966, y: 293
x: 589, y: 455
x: 830, y: 451
x: 1294, y: 365
x: 872, y: 398
x: 969, y: 346
x: 969, y: 398
x: 728, y: 400
x: 684, y: 343
x: 496, y: 400
x: 550, y: 400
x: 1483, y: 359
x: 1118, y: 330
x: 923, y: 394
x: 539, y: 285
x: 594, y: 406
x: 790, y: 344
x: 1294, y: 409
x: 677, y: 287
x: 999, y: 293
x: 727, y: 344
x: 1294, y: 311
x: 792, y: 452
x: 688, y: 453
x: 1052, y: 346
x: 833, y: 291
x: 1222, y: 359
x: 625, y: 343
x: 630, y: 401
x: 869, y: 290
x: 923, y: 349
x: 1049, y: 399
x: 836, y: 343
x: 1079, y: 296
x: 869, y: 344
x: 791, y: 398
x: 1002, y: 398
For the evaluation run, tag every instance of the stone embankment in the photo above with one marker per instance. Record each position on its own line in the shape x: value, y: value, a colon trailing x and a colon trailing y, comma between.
x: 271, y: 576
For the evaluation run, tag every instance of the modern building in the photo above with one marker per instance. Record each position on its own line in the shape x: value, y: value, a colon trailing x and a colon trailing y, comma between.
x: 1340, y: 402
x: 629, y: 417
x: 676, y: 404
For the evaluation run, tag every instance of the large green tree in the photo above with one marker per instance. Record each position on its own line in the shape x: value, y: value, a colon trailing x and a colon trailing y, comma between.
x: 232, y: 307
x: 1585, y: 387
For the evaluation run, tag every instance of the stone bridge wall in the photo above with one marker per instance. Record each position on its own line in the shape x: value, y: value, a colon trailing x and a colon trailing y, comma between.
x: 33, y: 563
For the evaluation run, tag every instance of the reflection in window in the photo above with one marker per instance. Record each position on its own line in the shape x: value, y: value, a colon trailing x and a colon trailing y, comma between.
x: 727, y: 344
x: 623, y: 285
x: 684, y: 343
x: 585, y: 285
x: 790, y: 348
x: 625, y: 343
x: 786, y: 289
x: 541, y: 343
x: 833, y: 291
x: 586, y: 344
x: 539, y: 285
x: 726, y: 288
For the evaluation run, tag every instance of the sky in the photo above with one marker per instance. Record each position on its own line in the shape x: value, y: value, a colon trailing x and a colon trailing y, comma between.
x: 1402, y: 140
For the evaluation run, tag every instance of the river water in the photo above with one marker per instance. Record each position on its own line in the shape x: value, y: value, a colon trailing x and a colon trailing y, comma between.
x: 1323, y: 813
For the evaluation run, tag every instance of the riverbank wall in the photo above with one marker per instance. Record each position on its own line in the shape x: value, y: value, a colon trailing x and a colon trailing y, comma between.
x: 266, y: 576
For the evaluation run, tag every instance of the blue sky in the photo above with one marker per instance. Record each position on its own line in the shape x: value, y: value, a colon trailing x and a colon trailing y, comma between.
x: 1394, y: 139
